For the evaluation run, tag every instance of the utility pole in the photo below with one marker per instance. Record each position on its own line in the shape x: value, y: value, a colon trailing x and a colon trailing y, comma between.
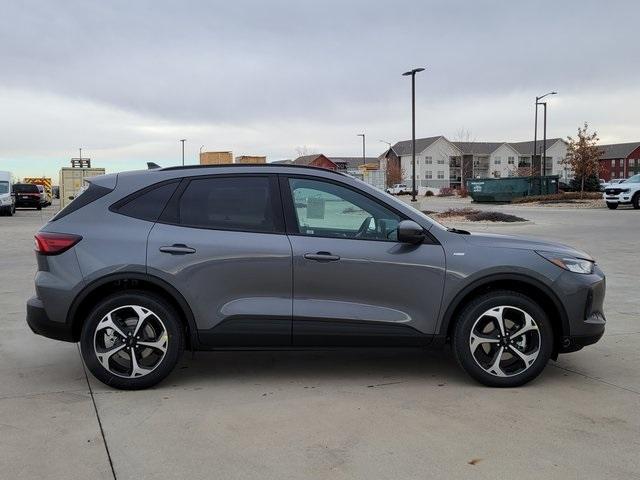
x: 412, y: 73
x: 183, y: 140
x: 363, y: 148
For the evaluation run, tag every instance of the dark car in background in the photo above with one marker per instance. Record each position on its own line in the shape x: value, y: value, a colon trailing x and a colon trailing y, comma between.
x: 29, y: 195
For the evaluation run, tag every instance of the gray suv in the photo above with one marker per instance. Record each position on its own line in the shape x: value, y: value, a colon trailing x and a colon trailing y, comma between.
x: 145, y: 264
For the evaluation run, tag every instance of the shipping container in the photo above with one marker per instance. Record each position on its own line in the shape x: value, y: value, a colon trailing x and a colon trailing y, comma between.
x: 72, y: 182
x: 508, y: 188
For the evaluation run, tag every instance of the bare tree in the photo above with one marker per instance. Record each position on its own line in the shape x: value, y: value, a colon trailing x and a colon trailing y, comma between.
x: 583, y: 155
x: 303, y: 150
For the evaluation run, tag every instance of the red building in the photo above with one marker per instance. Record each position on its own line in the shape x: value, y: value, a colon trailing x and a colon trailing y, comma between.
x: 619, y: 160
x: 316, y: 160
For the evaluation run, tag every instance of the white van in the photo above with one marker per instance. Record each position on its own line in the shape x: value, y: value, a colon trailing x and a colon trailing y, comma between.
x: 7, y: 199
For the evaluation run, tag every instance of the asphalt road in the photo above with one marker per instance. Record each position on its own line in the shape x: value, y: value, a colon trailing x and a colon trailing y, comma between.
x: 329, y: 415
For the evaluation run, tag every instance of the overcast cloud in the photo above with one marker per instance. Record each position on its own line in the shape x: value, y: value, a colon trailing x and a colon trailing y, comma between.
x: 127, y: 79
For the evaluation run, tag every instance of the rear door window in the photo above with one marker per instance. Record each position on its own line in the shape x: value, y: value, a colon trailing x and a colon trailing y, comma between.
x: 241, y: 203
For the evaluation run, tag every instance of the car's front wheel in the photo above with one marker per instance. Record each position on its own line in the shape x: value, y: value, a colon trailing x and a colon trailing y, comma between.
x: 503, y: 339
x: 132, y: 340
x: 612, y: 205
x: 636, y: 201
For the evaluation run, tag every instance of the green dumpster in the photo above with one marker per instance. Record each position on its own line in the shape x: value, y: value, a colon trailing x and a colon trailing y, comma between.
x: 506, y: 189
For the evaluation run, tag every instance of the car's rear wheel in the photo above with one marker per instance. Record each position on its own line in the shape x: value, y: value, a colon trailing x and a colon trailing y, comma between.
x: 503, y: 339
x: 636, y: 201
x: 612, y: 206
x: 132, y: 340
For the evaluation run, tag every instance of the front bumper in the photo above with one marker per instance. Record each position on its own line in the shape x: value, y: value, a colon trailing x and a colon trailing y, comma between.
x: 617, y: 198
x: 583, y: 297
x: 40, y: 323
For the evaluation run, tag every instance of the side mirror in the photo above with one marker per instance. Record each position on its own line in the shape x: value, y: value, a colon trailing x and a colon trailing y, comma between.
x: 410, y: 232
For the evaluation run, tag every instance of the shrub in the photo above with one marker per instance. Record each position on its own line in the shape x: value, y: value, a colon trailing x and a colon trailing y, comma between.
x: 429, y: 193
x: 458, y: 212
x: 558, y: 197
x: 445, y: 192
x: 463, y: 193
x: 494, y: 217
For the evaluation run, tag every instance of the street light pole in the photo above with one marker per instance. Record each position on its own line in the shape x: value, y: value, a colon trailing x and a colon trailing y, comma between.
x: 183, y: 140
x: 535, y: 129
x: 544, y: 141
x: 412, y: 73
x: 363, y: 148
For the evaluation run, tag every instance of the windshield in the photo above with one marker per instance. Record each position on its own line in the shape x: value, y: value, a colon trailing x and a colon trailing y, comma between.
x: 634, y: 179
x: 4, y: 187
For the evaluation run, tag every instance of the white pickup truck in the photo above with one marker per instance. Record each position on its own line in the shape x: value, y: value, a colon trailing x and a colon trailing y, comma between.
x: 399, y: 189
x: 626, y: 192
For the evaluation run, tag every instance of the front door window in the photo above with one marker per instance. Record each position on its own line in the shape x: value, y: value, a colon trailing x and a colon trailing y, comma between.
x: 325, y: 209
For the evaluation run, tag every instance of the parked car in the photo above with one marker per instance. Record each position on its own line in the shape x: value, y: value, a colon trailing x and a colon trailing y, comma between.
x: 565, y: 187
x: 7, y: 199
x: 29, y: 195
x: 44, y: 198
x: 625, y: 192
x: 399, y: 189
x: 144, y: 264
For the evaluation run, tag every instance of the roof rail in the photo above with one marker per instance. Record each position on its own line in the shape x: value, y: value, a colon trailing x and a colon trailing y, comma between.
x: 248, y: 165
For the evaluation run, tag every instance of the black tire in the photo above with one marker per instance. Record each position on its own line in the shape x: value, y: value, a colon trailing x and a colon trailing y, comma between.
x: 612, y: 206
x: 474, y: 310
x: 39, y: 207
x: 174, y: 344
x: 635, y: 201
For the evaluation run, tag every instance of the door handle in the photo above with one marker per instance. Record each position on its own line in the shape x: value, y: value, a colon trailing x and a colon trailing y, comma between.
x: 322, y: 257
x: 177, y: 249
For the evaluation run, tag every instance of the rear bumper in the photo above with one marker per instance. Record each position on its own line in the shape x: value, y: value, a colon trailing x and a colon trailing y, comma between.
x: 41, y: 324
x: 31, y: 203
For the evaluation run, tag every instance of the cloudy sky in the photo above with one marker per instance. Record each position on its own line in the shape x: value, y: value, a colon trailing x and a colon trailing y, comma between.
x: 126, y: 80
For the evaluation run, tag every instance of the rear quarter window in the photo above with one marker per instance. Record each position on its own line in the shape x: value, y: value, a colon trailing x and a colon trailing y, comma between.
x: 88, y: 195
x: 148, y: 203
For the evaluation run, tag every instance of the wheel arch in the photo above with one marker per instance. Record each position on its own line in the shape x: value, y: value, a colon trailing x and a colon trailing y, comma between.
x: 534, y: 289
x: 123, y: 281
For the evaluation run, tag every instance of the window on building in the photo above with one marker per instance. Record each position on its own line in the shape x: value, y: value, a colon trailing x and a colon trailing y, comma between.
x: 428, y: 160
x: 511, y: 160
x: 429, y: 174
x: 440, y: 175
x: 441, y: 161
x: 497, y: 160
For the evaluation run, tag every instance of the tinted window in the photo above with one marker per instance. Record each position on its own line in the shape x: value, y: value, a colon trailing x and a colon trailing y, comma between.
x: 229, y: 203
x: 149, y: 203
x: 329, y: 210
x: 85, y: 197
x: 25, y: 188
x: 4, y: 187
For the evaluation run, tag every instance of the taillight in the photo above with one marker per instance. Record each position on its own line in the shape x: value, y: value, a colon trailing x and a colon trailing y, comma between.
x: 48, y: 243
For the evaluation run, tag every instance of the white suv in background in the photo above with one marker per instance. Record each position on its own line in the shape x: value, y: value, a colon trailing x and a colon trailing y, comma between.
x: 625, y: 192
x: 399, y: 189
x: 7, y: 199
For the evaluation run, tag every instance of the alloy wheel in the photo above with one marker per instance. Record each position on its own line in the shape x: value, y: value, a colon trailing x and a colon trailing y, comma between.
x: 505, y: 341
x: 130, y: 341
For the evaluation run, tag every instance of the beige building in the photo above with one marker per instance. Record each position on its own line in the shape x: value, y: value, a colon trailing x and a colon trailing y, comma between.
x: 251, y: 159
x: 216, y: 158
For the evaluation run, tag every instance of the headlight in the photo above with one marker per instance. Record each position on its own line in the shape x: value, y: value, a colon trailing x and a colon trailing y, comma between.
x: 573, y: 264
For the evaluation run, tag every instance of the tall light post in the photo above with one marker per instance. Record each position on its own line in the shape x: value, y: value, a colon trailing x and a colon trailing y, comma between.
x: 535, y: 130
x: 183, y: 140
x: 363, y: 148
x: 412, y: 73
x: 200, y: 156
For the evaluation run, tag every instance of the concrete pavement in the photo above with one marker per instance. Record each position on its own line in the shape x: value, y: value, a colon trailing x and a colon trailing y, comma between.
x: 349, y: 414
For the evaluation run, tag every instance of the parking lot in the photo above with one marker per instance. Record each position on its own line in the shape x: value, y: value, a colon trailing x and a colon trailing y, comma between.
x: 374, y: 414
